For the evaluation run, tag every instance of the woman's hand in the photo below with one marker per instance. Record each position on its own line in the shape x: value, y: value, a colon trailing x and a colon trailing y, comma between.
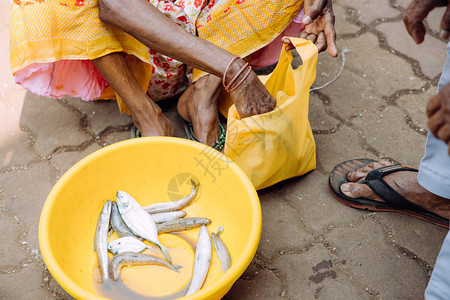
x: 319, y: 25
x: 252, y: 98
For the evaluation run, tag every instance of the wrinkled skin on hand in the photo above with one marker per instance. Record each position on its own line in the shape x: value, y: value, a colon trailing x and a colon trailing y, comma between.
x: 319, y: 25
x: 438, y: 112
x: 417, y: 11
x: 252, y: 98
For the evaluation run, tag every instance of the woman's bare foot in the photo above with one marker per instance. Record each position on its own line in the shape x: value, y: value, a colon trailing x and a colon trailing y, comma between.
x: 403, y: 182
x: 150, y: 120
x: 198, y: 105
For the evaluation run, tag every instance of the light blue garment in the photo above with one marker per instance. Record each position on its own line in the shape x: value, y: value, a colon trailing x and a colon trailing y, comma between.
x: 434, y: 170
x: 439, y: 284
x: 434, y: 175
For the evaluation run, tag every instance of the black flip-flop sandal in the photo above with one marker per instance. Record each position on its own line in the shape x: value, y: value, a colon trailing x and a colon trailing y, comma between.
x: 135, y: 133
x: 394, y: 202
x: 220, y: 143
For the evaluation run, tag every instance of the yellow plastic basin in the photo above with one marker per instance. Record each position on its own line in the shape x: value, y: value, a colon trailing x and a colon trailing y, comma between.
x: 151, y: 170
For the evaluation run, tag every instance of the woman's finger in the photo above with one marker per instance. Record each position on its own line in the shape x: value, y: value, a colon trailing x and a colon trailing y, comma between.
x: 303, y: 35
x: 314, y: 11
x: 321, y: 42
x: 312, y: 37
x: 330, y: 35
x: 287, y: 41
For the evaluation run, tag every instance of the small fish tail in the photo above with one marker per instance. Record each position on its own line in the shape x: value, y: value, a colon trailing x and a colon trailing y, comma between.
x: 219, y: 230
x: 176, y: 268
x: 165, y: 253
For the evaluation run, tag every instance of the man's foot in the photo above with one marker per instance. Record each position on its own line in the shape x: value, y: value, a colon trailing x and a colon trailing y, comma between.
x: 150, y: 120
x: 198, y: 105
x: 403, y: 182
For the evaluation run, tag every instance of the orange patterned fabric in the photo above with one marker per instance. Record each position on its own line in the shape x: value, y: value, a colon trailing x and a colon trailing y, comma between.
x: 44, y: 32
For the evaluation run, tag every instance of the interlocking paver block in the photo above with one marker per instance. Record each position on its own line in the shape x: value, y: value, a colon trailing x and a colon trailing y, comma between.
x: 370, y: 10
x: 313, y: 275
x: 403, y: 3
x: 392, y: 135
x: 342, y: 25
x: 265, y: 285
x: 335, y: 148
x: 318, y: 119
x: 282, y: 228
x: 314, y: 204
x: 11, y: 252
x: 14, y: 142
x: 24, y: 196
x: 434, y: 18
x: 421, y: 238
x: 415, y: 105
x: 373, y: 71
x: 52, y: 123
x: 23, y: 285
x: 101, y: 113
x: 66, y: 160
x: 377, y: 263
x: 430, y: 54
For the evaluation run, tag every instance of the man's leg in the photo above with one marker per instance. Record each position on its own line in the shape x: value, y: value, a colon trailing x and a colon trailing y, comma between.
x: 439, y: 284
x: 434, y: 175
x: 430, y: 189
x: 434, y: 171
x: 147, y: 116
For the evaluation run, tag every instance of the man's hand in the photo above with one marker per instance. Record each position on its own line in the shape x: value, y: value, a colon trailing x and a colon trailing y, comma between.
x: 417, y: 11
x: 319, y: 25
x: 438, y: 112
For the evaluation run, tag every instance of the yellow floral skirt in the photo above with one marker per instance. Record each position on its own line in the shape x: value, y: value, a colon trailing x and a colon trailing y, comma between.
x: 53, y: 41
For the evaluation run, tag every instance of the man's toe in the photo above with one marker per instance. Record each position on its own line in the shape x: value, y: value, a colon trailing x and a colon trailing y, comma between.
x: 357, y: 190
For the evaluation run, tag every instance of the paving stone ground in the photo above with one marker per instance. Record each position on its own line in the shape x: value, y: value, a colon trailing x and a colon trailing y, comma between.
x: 312, y: 247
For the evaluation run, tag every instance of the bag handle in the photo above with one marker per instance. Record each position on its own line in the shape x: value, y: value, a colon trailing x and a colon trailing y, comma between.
x: 309, y: 53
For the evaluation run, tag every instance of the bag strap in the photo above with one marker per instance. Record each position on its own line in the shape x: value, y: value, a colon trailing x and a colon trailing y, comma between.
x: 309, y: 53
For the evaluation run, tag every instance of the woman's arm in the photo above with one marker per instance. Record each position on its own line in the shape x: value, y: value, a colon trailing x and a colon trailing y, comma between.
x: 151, y: 27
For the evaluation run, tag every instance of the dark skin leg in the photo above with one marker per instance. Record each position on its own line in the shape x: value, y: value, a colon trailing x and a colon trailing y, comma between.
x: 198, y: 105
x: 146, y: 23
x: 147, y: 116
x: 404, y: 183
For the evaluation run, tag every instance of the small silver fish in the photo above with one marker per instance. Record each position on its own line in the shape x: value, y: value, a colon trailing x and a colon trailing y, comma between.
x: 221, y: 249
x: 181, y: 224
x: 168, y: 216
x: 118, y: 225
x: 101, y: 239
x: 127, y: 244
x: 202, y: 260
x: 139, y: 221
x: 175, y: 205
x: 130, y: 258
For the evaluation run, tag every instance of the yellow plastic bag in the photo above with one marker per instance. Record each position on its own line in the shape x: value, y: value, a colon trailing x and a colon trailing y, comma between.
x: 278, y: 145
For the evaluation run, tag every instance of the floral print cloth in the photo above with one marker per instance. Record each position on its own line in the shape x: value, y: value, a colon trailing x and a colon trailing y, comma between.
x: 53, y: 41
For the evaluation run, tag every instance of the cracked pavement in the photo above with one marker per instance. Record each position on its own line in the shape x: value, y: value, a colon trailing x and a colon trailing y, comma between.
x: 312, y: 246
